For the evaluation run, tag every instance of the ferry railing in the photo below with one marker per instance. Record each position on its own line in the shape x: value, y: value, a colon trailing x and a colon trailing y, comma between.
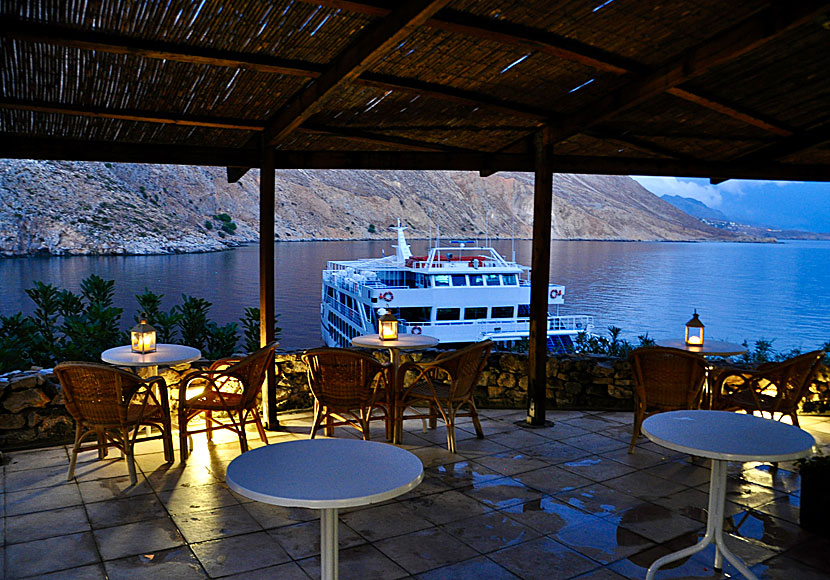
x: 349, y: 313
x: 575, y: 322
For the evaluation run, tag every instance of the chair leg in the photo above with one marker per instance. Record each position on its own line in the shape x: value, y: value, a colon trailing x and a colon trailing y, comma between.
x: 183, y: 438
x: 318, y: 413
x: 71, y: 473
x: 167, y: 440
x: 450, y: 421
x: 209, y: 425
x: 638, y: 421
x: 243, y: 439
x: 263, y: 437
x: 476, y: 422
x: 128, y: 453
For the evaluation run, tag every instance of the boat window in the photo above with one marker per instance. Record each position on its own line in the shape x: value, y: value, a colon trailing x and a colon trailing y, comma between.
x: 492, y: 279
x: 420, y: 281
x: 476, y: 280
x: 414, y: 314
x: 459, y: 280
x: 508, y: 279
x: 502, y: 312
x: 447, y: 313
x: 440, y: 280
x: 475, y: 313
x: 524, y: 310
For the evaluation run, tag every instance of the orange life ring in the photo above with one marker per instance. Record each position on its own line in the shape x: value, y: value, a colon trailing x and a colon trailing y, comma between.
x: 387, y: 296
x: 416, y: 330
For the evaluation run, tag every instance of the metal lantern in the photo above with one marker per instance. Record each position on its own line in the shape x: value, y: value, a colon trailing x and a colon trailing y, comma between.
x: 388, y: 327
x: 694, y: 331
x: 143, y: 336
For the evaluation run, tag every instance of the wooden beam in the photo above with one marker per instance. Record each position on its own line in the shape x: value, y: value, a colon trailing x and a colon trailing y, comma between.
x: 730, y: 44
x: 17, y: 29
x: 267, y: 276
x: 234, y: 174
x: 732, y: 111
x: 625, y: 141
x: 14, y: 146
x: 539, y: 279
x: 131, y: 115
x: 372, y: 45
x: 358, y: 135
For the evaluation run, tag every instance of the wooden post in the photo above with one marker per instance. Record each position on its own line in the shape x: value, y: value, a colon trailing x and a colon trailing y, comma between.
x: 267, y: 315
x: 539, y: 278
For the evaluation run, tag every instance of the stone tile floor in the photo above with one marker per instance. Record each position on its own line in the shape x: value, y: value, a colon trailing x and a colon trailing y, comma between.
x: 565, y: 501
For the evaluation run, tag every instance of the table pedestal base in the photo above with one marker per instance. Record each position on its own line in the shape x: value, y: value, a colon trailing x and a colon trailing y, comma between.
x: 328, y: 544
x: 714, y: 529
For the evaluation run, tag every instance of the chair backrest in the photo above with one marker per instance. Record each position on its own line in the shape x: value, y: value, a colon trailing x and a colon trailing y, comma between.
x: 668, y: 378
x: 342, y: 378
x: 97, y: 394
x: 791, y: 378
x: 251, y: 372
x: 464, y: 366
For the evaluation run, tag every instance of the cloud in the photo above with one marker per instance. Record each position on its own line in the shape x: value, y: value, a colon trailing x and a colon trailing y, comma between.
x: 702, y: 191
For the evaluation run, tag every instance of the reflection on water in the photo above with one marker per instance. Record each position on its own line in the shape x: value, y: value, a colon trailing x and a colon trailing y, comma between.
x: 743, y: 291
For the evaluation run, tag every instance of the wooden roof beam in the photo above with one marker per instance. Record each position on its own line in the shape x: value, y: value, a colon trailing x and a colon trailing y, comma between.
x: 736, y: 113
x: 376, y: 138
x: 131, y: 115
x: 17, y: 29
x: 372, y: 45
x: 723, y: 47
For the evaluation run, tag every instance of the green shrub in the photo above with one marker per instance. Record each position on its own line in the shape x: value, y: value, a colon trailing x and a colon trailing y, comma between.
x: 372, y: 228
x: 208, y: 224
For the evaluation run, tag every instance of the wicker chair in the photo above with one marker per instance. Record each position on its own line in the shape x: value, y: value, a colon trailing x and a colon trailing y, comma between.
x: 348, y: 386
x: 113, y: 405
x: 665, y: 379
x: 771, y: 388
x: 229, y: 385
x: 445, y: 385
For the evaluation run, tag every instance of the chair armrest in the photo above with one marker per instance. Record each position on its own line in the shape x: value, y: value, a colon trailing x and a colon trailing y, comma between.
x: 223, y: 363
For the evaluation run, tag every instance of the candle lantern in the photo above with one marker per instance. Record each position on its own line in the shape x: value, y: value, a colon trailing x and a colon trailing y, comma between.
x: 694, y: 331
x: 143, y: 336
x: 388, y: 327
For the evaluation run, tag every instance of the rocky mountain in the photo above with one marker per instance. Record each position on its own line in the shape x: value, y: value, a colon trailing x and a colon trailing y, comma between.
x: 695, y: 207
x: 67, y: 208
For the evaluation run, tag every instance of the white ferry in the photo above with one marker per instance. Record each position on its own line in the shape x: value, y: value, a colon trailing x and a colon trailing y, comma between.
x: 458, y: 294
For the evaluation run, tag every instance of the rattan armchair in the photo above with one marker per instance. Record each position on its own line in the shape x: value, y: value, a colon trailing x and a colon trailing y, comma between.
x: 229, y: 385
x: 665, y: 379
x: 770, y: 388
x: 113, y: 405
x: 444, y: 385
x: 348, y: 386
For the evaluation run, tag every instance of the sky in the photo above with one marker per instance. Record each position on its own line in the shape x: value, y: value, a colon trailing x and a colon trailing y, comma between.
x: 800, y: 205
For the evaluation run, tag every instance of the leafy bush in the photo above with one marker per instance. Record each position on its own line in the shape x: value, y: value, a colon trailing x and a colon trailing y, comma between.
x: 613, y: 346
x: 372, y: 228
x: 69, y: 326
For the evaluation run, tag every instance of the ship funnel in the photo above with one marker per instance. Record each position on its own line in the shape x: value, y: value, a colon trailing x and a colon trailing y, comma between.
x: 402, y: 250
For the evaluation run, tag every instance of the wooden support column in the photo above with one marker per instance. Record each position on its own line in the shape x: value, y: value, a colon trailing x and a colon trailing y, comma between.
x: 267, y: 315
x: 539, y: 278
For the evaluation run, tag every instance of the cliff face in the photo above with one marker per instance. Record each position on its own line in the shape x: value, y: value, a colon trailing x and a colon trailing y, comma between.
x: 94, y: 208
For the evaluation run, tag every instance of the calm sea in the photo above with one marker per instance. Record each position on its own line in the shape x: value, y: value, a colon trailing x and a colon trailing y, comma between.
x: 779, y: 292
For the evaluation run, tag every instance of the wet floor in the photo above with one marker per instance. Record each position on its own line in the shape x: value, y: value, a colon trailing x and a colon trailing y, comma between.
x: 562, y: 502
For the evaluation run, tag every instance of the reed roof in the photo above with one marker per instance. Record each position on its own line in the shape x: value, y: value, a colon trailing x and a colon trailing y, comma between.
x: 688, y: 87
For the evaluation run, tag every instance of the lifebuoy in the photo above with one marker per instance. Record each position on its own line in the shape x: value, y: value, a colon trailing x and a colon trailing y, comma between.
x: 554, y: 293
x: 416, y: 330
x: 476, y: 263
x: 387, y: 296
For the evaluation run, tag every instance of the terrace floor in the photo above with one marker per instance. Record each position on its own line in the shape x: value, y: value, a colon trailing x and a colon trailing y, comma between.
x: 565, y: 501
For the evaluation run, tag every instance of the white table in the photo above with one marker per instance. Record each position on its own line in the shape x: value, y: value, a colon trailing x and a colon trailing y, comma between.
x: 404, y: 342
x: 164, y: 355
x: 325, y: 474
x: 723, y: 437
x: 708, y: 348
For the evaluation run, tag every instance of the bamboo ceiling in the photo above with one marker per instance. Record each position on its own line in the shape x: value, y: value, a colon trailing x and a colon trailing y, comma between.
x: 688, y: 87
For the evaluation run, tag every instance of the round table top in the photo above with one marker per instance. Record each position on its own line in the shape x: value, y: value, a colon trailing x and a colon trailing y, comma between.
x: 164, y: 355
x: 709, y: 347
x: 404, y: 342
x: 730, y: 436
x: 324, y: 473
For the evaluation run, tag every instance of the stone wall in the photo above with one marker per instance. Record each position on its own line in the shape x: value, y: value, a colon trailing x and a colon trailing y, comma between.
x: 32, y: 412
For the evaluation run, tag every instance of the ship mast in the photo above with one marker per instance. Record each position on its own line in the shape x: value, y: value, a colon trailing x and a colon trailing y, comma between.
x: 402, y: 251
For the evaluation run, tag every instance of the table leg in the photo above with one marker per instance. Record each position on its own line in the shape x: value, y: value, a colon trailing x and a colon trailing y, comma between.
x: 392, y: 393
x: 714, y: 529
x: 328, y: 544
